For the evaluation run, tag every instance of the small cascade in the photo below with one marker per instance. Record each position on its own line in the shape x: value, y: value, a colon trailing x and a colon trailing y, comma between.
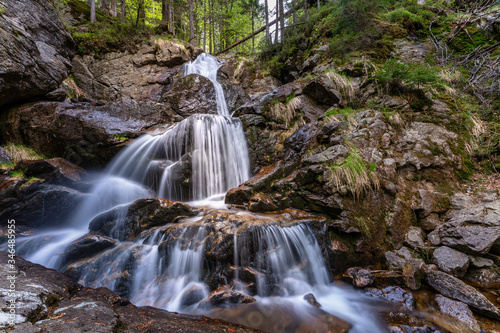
x: 207, y: 65
x: 291, y: 258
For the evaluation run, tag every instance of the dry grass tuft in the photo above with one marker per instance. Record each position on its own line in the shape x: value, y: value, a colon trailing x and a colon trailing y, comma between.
x: 20, y: 152
x: 344, y: 85
x: 285, y: 113
x: 355, y: 175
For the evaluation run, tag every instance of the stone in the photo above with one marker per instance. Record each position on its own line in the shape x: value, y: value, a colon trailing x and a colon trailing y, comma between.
x: 480, y: 262
x: 191, y: 94
x: 413, y: 273
x: 322, y: 90
x: 58, y: 95
x: 261, y: 203
x: 5, y: 156
x: 127, y: 222
x: 49, y: 301
x: 415, y: 238
x: 393, y: 294
x: 335, y: 155
x: 35, y: 204
x: 431, y: 202
x: 327, y: 130
x: 451, y: 261
x: 396, y: 259
x: 309, y: 298
x: 225, y: 295
x: 82, y: 133
x: 140, y: 74
x: 452, y: 287
x: 194, y: 294
x: 86, y: 247
x: 35, y: 50
x: 474, y: 228
x: 458, y: 311
x: 54, y: 170
x: 488, y: 278
x: 360, y: 277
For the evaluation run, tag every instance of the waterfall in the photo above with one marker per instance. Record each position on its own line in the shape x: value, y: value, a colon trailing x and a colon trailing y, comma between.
x: 208, y: 66
x: 199, y: 158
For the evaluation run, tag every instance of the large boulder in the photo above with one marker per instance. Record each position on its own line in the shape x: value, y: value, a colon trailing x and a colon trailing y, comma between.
x: 35, y: 50
x: 190, y: 95
x: 452, y: 287
x: 140, y: 75
x: 458, y: 311
x: 471, y: 227
x: 35, y: 204
x: 82, y: 133
x: 451, y: 261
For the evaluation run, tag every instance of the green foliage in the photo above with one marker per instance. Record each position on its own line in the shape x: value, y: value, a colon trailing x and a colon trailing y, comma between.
x: 20, y: 152
x: 395, y: 74
x: 401, y: 15
x: 2, y: 10
x: 16, y: 174
x: 334, y: 111
x: 289, y: 98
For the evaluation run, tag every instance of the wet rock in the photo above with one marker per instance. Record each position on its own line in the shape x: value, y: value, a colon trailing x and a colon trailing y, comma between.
x: 35, y: 50
x: 309, y: 298
x: 359, y: 277
x: 191, y: 94
x: 393, y: 294
x: 415, y: 238
x: 396, y: 259
x: 261, y: 203
x: 413, y: 273
x: 458, y: 311
x: 58, y: 95
x: 235, y: 96
x: 193, y: 295
x: 430, y: 202
x: 53, y: 170
x: 474, y: 228
x: 86, y: 247
x: 413, y: 329
x: 453, y: 288
x: 484, y: 278
x: 49, y: 301
x: 82, y: 133
x: 129, y: 221
x: 451, y: 261
x: 322, y: 90
x: 225, y: 295
x: 35, y: 204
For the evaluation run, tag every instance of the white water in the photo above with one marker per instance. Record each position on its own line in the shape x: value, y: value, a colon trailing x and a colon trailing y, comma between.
x: 197, y: 160
x: 207, y: 66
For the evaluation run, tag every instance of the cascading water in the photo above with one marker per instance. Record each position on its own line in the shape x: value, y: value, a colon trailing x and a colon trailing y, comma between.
x: 200, y: 158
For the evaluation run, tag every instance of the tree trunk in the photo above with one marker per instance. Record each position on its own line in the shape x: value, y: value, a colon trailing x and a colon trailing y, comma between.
x: 204, y: 24
x: 113, y: 8
x: 170, y: 10
x: 266, y: 8
x: 277, y: 24
x: 253, y: 27
x: 92, y: 11
x: 191, y: 23
x: 141, y: 15
x: 318, y: 4
x: 282, y: 21
x: 124, y: 9
x: 164, y: 13
x: 306, y: 12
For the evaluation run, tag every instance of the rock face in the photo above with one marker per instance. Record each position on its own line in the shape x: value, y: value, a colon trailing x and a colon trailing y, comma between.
x: 48, y: 301
x: 82, y: 133
x: 35, y: 50
x: 190, y: 95
x: 140, y: 76
x: 451, y: 261
x: 472, y: 227
x: 452, y: 287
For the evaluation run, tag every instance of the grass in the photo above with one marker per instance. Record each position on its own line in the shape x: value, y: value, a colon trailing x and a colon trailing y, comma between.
x: 284, y: 113
x: 355, y: 175
x: 344, y: 85
x: 120, y: 138
x: 20, y: 152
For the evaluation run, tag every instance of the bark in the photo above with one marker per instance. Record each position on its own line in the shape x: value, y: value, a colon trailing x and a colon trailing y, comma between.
x: 318, y: 4
x: 204, y: 24
x: 171, y: 27
x: 282, y: 21
x: 124, y: 9
x: 306, y: 12
x: 266, y: 8
x: 253, y: 27
x: 92, y: 11
x: 191, y: 23
x: 113, y: 8
x: 277, y: 23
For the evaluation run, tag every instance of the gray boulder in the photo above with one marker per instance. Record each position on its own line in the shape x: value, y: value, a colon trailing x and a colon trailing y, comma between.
x: 35, y: 50
x: 451, y: 261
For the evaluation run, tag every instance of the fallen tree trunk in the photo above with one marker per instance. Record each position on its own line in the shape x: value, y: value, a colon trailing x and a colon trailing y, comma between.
x: 288, y: 13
